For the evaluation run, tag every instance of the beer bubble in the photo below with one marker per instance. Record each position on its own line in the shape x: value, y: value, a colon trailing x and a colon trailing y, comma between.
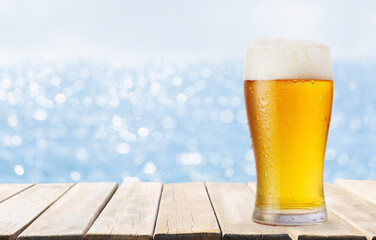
x: 276, y: 58
x: 313, y: 81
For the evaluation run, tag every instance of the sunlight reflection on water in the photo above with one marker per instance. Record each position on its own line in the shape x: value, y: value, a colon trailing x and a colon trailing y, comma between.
x: 158, y: 122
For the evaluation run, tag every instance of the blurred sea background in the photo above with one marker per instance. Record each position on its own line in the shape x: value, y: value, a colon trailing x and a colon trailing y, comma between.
x: 140, y: 91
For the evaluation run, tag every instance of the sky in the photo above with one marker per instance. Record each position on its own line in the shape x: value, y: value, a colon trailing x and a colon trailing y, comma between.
x: 212, y: 28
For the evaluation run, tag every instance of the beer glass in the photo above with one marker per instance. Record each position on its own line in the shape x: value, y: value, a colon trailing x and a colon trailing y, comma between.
x: 288, y: 89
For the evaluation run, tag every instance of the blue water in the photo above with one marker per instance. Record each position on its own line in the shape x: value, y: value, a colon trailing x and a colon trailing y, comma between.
x: 87, y: 121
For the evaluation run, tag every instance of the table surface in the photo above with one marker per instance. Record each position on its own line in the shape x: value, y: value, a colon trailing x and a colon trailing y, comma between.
x: 175, y: 211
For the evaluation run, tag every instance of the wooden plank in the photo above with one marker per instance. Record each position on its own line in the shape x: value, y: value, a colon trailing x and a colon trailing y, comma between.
x: 252, y: 186
x: 185, y: 212
x: 233, y: 204
x: 9, y: 190
x: 130, y: 214
x: 19, y: 211
x: 351, y: 208
x: 72, y: 215
x: 334, y: 228
x: 364, y: 188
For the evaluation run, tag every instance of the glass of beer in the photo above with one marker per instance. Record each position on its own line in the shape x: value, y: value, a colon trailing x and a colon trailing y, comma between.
x: 288, y: 89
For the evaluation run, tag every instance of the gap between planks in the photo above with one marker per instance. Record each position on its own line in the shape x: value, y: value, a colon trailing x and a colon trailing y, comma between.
x: 17, y: 212
x: 130, y: 214
x: 230, y: 205
x: 9, y: 190
x: 185, y: 212
x: 73, y: 214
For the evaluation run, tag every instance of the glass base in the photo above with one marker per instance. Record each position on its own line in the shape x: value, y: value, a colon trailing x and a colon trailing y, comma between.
x: 288, y: 217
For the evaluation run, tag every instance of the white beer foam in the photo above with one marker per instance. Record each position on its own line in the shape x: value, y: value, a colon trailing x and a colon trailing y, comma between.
x: 275, y: 58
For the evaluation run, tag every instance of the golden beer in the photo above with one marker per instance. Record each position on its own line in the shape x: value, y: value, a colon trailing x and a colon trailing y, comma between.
x: 288, y: 123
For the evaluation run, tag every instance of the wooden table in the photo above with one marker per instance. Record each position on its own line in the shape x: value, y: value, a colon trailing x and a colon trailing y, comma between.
x: 177, y: 211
